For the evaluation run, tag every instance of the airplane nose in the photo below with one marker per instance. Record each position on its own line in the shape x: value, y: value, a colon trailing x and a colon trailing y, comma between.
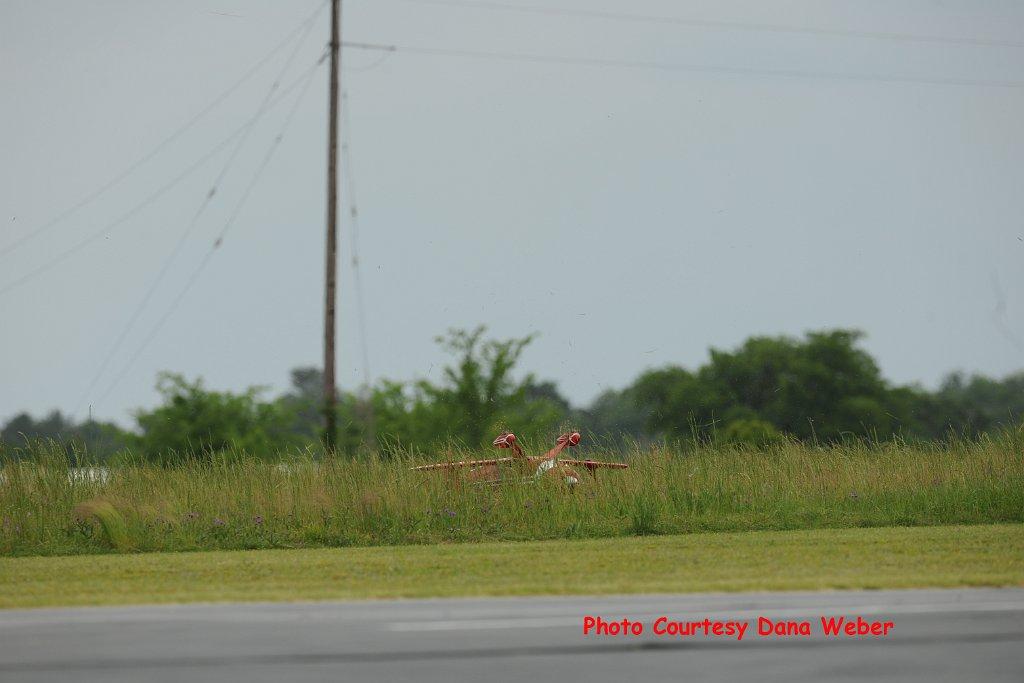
x: 504, y: 440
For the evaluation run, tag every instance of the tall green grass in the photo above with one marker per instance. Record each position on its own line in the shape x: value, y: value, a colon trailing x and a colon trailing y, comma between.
x: 245, y: 502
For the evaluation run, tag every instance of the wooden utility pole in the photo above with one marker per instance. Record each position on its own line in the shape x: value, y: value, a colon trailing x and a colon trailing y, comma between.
x: 331, y: 270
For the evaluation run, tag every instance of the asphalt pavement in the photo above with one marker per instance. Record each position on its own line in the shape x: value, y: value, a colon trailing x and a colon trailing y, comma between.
x: 936, y: 635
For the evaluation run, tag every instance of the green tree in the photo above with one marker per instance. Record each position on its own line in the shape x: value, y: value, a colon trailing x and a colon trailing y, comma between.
x: 193, y: 421
x: 476, y: 395
x: 96, y: 440
x: 978, y: 404
x: 615, y: 415
x: 478, y: 392
x: 820, y: 387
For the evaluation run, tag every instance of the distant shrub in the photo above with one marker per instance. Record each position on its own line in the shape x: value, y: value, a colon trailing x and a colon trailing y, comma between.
x: 751, y: 432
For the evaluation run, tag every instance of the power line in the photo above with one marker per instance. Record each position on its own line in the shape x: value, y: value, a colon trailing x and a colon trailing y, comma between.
x: 365, y: 405
x: 71, y: 251
x: 678, y: 67
x: 93, y: 237
x: 719, y: 24
x: 346, y: 153
x: 117, y: 179
x: 183, y: 238
x: 201, y: 267
x: 270, y: 93
x: 369, y: 67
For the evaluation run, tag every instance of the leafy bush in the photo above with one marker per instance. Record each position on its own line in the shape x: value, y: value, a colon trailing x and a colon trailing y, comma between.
x: 754, y: 433
x: 196, y: 422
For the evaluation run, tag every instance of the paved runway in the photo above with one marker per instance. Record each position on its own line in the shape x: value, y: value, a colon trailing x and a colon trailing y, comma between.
x: 951, y: 635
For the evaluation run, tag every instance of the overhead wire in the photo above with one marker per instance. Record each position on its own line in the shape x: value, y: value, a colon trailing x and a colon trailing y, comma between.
x: 177, y: 133
x: 677, y: 67
x: 189, y: 170
x: 718, y: 24
x: 365, y: 403
x: 372, y: 65
x: 207, y: 199
x: 347, y: 166
x: 201, y: 267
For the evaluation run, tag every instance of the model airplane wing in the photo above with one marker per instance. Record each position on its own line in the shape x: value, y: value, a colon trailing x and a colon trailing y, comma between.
x: 595, y: 464
x: 462, y: 463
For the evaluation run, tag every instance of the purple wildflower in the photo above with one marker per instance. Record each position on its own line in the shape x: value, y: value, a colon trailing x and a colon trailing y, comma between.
x: 450, y: 513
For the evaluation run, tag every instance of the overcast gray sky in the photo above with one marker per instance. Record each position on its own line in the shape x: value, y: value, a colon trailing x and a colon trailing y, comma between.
x: 632, y: 216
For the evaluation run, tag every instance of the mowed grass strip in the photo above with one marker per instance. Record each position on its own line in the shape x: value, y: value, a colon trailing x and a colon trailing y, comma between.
x: 819, y: 559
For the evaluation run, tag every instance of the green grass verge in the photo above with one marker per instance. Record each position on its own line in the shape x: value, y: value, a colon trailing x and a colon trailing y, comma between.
x: 763, y: 560
x: 244, y: 503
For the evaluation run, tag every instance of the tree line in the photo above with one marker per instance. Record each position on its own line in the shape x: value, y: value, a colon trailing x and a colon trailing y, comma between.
x: 822, y: 387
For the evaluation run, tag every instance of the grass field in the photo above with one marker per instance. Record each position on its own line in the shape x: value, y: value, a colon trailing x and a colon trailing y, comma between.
x: 991, y: 555
x: 247, y: 503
